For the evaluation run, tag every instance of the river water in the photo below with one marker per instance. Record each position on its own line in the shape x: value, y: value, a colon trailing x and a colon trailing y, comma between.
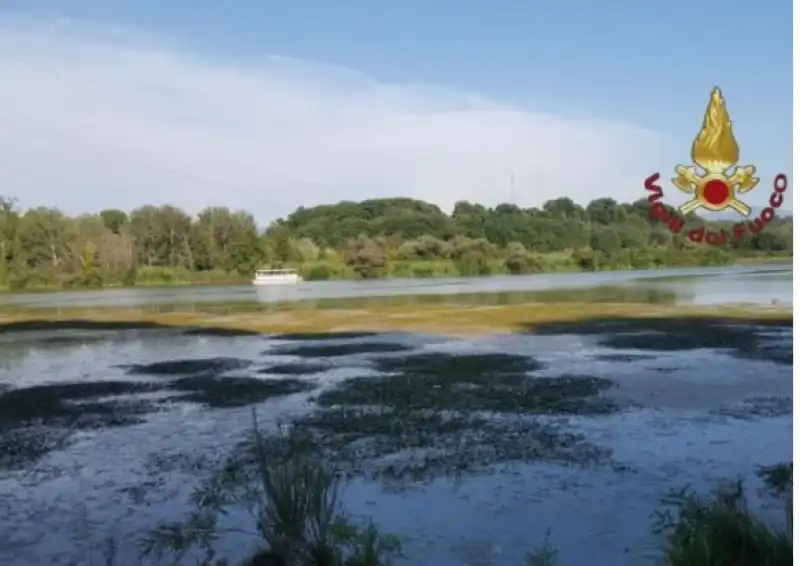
x: 756, y: 285
x: 692, y: 415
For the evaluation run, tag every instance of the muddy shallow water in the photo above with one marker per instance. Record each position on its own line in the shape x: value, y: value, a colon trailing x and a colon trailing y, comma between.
x: 611, y: 424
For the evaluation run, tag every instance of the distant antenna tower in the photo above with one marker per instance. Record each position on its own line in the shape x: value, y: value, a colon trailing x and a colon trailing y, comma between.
x: 511, y: 189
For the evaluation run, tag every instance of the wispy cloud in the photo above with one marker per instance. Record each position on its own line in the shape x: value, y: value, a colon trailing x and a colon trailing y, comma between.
x: 95, y: 118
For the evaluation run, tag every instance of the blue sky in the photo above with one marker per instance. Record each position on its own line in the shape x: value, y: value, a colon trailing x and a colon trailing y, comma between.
x: 647, y: 65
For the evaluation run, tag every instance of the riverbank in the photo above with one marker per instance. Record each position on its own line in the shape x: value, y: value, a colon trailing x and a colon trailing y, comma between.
x: 154, y: 278
x: 450, y: 320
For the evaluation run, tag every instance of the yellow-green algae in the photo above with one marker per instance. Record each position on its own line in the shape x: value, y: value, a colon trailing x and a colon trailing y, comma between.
x: 457, y: 320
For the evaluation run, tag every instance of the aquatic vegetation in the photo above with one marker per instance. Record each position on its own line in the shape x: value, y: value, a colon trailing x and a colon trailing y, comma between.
x: 220, y: 332
x: 234, y: 391
x: 310, y: 336
x: 623, y: 357
x: 399, y: 447
x: 294, y: 369
x: 36, y: 420
x: 764, y: 407
x: 508, y: 393
x: 56, y: 404
x: 739, y: 337
x: 471, y: 382
x: 187, y: 367
x: 720, y: 529
x: 454, y: 319
x: 59, y: 339
x: 778, y: 478
x: 336, y: 350
x: 428, y: 416
x: 18, y: 447
x: 544, y: 555
x: 292, y: 491
x: 294, y: 501
x: 440, y: 414
x: 450, y: 365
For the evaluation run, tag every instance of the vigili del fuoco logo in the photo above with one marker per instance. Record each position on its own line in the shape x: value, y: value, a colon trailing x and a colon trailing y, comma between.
x: 715, y: 182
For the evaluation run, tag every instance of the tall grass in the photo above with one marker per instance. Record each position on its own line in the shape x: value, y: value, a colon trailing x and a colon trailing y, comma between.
x: 294, y: 497
x: 719, y: 529
x: 294, y: 501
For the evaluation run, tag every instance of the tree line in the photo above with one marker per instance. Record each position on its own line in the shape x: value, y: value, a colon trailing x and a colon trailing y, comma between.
x: 398, y: 237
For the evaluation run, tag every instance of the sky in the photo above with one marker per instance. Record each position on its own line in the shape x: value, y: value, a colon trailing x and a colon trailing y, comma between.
x: 268, y: 106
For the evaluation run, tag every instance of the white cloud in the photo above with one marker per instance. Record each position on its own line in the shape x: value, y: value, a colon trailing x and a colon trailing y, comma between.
x: 92, y: 120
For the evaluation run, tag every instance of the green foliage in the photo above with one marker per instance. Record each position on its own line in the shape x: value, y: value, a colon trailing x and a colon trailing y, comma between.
x: 162, y: 245
x: 294, y: 501
x: 778, y: 478
x: 520, y: 261
x: 720, y: 530
x: 544, y: 555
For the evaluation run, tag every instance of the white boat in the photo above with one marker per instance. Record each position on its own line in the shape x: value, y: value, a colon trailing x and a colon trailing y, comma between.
x: 277, y: 277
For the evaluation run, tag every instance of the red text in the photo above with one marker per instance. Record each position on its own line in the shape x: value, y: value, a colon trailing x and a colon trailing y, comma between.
x: 675, y: 223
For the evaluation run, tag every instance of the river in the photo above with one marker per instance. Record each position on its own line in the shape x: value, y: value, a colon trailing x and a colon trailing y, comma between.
x: 690, y: 406
x: 743, y: 284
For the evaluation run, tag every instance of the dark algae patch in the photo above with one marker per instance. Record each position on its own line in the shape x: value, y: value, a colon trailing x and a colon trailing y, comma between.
x: 311, y: 336
x: 295, y: 369
x: 231, y: 391
x: 623, y: 357
x: 58, y: 404
x: 189, y: 367
x: 402, y: 446
x: 65, y: 340
x: 474, y: 382
x: 480, y: 390
x: 88, y: 324
x: 442, y: 414
x: 336, y: 350
x: 220, y: 332
x: 465, y: 367
x: 759, y: 407
x: 36, y: 420
x: 744, y: 338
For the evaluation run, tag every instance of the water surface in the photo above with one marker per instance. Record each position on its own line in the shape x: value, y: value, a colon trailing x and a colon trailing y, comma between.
x: 684, y: 415
x: 689, y: 418
x: 755, y: 285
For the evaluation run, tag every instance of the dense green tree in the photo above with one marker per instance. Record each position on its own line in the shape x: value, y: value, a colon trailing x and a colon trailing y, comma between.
x: 398, y: 237
x: 367, y: 256
x: 114, y: 219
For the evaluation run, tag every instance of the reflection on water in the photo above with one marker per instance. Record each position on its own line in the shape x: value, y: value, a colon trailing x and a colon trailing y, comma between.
x: 593, y: 294
x: 770, y: 286
x: 758, y: 285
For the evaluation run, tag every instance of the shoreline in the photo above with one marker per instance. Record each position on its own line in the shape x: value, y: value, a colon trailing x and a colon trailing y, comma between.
x: 235, y: 281
x: 448, y: 320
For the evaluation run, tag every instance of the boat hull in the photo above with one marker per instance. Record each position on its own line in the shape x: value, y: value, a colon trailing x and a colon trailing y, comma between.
x: 277, y: 281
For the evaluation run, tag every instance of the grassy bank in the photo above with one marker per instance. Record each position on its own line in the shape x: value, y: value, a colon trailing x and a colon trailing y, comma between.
x: 766, y: 259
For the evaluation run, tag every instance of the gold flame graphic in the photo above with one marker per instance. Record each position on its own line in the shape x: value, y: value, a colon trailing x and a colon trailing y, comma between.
x: 715, y: 149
